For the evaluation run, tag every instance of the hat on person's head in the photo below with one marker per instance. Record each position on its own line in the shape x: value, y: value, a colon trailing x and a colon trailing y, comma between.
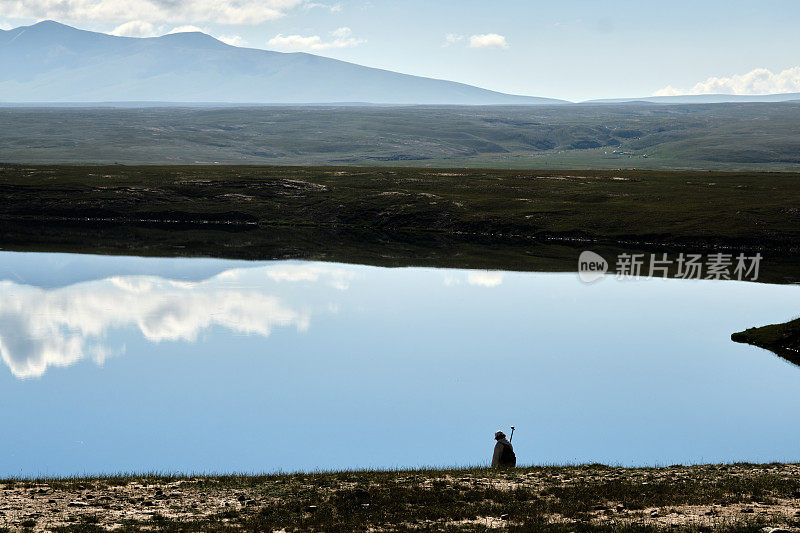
x: 499, y: 435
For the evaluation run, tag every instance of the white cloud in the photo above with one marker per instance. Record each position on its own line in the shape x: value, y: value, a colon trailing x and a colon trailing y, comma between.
x: 153, y: 11
x: 185, y: 29
x: 295, y: 42
x: 757, y: 81
x: 337, y: 278
x: 134, y: 28
x: 40, y: 328
x: 485, y: 278
x: 342, y: 33
x: 452, y: 38
x: 479, y: 278
x: 5, y: 25
x: 342, y: 38
x: 333, y: 8
x: 488, y: 40
x: 233, y: 40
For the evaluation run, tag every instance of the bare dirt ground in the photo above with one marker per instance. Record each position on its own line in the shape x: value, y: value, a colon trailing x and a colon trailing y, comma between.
x: 587, y: 498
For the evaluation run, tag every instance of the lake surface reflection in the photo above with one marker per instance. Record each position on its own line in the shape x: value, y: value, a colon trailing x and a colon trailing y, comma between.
x: 199, y: 365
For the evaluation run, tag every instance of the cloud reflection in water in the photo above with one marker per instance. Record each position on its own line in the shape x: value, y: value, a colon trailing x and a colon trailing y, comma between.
x: 40, y: 328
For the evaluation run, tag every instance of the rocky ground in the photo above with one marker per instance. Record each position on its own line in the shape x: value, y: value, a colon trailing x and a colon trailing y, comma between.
x: 582, y: 498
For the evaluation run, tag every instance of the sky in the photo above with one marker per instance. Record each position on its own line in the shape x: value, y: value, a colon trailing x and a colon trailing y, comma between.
x: 573, y: 49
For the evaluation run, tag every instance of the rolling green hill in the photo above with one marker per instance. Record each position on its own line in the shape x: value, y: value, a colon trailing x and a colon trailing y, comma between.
x: 743, y: 136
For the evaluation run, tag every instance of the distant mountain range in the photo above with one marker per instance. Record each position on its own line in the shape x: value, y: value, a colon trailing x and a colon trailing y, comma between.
x: 702, y: 99
x: 52, y: 62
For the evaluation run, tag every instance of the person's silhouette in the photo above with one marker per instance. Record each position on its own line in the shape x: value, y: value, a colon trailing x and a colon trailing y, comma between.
x: 504, y: 455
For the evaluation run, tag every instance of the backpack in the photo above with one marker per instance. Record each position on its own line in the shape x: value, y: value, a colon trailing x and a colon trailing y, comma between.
x: 508, y: 457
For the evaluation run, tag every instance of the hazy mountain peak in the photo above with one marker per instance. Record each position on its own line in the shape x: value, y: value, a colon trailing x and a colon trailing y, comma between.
x: 52, y: 24
x: 49, y: 27
x: 52, y: 62
x: 192, y: 37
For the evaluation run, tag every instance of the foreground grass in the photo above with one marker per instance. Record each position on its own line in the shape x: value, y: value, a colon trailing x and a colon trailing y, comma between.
x: 738, y: 497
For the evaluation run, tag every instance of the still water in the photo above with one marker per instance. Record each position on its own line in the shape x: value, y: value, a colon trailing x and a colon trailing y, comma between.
x: 113, y: 364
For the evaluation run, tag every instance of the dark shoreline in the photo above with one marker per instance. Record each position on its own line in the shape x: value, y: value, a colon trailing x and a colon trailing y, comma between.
x: 490, y: 219
x: 781, y: 339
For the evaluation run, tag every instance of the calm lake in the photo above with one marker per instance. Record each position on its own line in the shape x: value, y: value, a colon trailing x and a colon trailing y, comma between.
x: 116, y: 364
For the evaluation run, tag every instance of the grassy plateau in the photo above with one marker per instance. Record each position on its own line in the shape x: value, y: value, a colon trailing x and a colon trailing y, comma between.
x: 736, y: 136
